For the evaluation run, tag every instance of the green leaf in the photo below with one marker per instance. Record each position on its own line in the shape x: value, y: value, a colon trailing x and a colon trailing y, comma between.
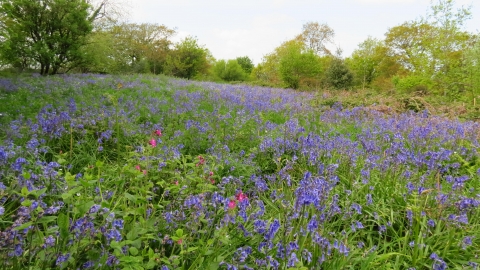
x: 38, y: 192
x: 63, y: 223
x: 151, y: 264
x: 23, y: 226
x: 130, y: 197
x: 47, y: 219
x: 25, y: 192
x: 133, y: 251
x: 190, y: 249
x: 99, y: 164
x: 179, y: 232
x: 26, y: 203
x: 26, y: 175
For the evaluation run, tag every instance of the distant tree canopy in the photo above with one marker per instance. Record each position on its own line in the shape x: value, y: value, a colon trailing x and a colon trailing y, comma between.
x: 246, y: 63
x: 229, y: 70
x: 188, y: 59
x: 46, y: 33
x: 432, y: 54
x: 127, y: 48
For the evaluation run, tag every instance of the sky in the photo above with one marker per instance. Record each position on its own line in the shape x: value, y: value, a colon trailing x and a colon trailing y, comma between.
x: 254, y: 28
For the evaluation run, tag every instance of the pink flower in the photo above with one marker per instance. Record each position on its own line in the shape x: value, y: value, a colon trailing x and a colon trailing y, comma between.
x: 241, y: 196
x: 211, y: 173
x: 176, y: 182
x: 144, y: 172
x: 201, y: 161
x: 153, y: 142
x: 232, y: 204
x: 158, y: 132
x: 137, y: 167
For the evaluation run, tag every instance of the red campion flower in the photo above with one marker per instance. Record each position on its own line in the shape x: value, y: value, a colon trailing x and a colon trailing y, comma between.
x: 232, y: 204
x: 241, y: 196
x: 153, y: 142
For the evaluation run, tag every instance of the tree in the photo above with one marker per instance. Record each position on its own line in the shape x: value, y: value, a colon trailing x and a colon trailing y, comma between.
x: 364, y: 61
x: 188, y: 59
x: 298, y: 66
x: 246, y: 63
x: 449, y: 45
x: 410, y: 44
x: 315, y: 36
x: 49, y: 33
x: 138, y: 44
x: 338, y: 75
x: 472, y: 64
x: 229, y: 70
x: 433, y: 47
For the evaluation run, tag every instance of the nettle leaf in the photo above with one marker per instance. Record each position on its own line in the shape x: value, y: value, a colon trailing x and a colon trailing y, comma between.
x: 133, y: 251
x: 63, y: 223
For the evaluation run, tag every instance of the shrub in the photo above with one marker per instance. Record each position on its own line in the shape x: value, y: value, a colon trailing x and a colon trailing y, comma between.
x: 411, y: 84
x: 338, y: 75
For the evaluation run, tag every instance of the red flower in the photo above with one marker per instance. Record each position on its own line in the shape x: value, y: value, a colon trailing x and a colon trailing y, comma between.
x: 201, y: 161
x: 232, y: 204
x: 241, y: 196
x: 158, y: 132
x: 153, y: 142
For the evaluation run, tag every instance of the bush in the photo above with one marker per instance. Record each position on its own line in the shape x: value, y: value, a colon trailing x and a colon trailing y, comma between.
x: 229, y: 70
x: 411, y: 84
x: 338, y: 75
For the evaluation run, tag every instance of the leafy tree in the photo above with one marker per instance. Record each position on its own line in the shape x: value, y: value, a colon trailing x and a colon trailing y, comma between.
x: 100, y: 55
x: 315, y: 36
x: 128, y: 47
x: 229, y: 70
x: 410, y: 44
x: 246, y: 63
x: 364, y: 62
x: 472, y: 67
x: 188, y: 59
x: 298, y: 65
x: 449, y: 45
x: 49, y: 33
x: 433, y: 47
x: 338, y: 75
x: 142, y: 44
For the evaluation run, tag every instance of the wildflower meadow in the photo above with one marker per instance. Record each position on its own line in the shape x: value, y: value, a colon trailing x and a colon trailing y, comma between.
x: 152, y: 172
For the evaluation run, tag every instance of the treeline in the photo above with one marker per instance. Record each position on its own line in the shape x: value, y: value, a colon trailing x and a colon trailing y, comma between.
x: 433, y: 54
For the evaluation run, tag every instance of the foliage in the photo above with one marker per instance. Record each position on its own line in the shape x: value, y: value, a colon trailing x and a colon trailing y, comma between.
x: 229, y: 70
x: 433, y: 47
x: 412, y: 84
x: 472, y: 64
x: 298, y: 66
x: 365, y: 62
x: 315, y: 36
x: 46, y: 33
x: 246, y: 63
x: 149, y: 172
x: 188, y: 59
x: 338, y: 75
x: 128, y: 47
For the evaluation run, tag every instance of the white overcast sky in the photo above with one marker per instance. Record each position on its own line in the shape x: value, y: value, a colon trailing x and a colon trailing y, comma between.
x: 253, y: 28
